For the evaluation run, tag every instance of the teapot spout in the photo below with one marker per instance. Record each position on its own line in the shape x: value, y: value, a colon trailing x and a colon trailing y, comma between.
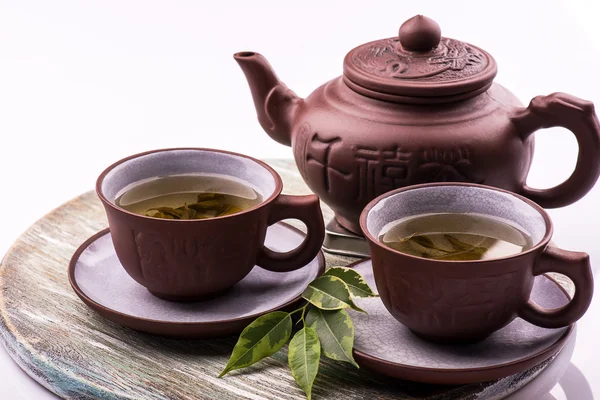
x: 276, y: 105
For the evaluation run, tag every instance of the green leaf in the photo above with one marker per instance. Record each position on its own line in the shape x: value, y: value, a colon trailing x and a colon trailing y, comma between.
x: 423, y: 241
x: 186, y: 213
x: 262, y: 338
x: 176, y: 214
x: 231, y: 209
x: 303, y: 357
x: 458, y: 245
x: 336, y: 332
x: 355, y: 282
x: 329, y: 293
x: 206, y: 205
x: 209, y: 196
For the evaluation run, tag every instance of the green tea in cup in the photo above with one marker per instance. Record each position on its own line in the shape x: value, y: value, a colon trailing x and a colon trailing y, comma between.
x: 455, y: 237
x: 188, y: 196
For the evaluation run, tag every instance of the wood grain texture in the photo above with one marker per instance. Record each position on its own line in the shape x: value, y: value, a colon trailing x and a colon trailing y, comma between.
x: 76, y: 354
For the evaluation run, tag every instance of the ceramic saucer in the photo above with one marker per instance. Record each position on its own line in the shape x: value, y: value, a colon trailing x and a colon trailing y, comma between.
x: 101, y: 282
x: 386, y: 346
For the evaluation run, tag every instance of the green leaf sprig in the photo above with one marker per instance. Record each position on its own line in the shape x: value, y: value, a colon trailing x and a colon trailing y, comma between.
x: 326, y: 328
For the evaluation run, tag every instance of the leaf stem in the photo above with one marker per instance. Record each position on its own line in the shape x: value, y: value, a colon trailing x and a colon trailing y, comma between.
x: 303, y: 312
x: 299, y: 309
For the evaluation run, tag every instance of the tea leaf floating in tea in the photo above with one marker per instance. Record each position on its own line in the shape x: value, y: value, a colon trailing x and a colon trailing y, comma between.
x: 455, y: 236
x: 186, y: 197
x: 202, y: 210
x: 231, y: 210
x: 326, y: 330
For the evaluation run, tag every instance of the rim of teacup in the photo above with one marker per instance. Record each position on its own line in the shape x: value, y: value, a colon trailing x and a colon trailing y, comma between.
x: 276, y: 192
x: 543, y: 242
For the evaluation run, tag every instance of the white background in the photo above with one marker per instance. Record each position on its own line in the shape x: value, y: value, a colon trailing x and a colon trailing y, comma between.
x: 84, y: 83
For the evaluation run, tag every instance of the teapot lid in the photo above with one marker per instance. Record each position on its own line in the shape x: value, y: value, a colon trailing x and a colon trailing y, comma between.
x: 419, y: 66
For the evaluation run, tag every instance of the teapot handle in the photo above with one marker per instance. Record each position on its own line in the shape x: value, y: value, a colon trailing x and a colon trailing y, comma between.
x: 576, y: 115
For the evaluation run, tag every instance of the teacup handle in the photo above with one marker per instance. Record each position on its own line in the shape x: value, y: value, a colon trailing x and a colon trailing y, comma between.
x: 576, y: 266
x: 577, y: 115
x: 307, y: 210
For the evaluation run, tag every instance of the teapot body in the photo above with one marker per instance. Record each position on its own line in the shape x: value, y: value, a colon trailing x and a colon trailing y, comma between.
x: 418, y: 108
x: 350, y: 148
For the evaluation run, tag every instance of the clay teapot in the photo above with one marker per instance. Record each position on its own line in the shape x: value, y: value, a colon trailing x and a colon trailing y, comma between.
x: 413, y: 109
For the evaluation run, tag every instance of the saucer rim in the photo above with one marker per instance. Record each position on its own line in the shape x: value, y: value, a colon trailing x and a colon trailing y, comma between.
x: 187, y: 329
x: 447, y: 376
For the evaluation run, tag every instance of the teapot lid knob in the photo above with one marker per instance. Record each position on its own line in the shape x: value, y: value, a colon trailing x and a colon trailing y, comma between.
x: 420, y: 34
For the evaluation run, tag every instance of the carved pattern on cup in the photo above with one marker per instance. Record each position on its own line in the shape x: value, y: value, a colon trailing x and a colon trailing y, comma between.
x: 166, y: 259
x: 388, y: 59
x: 452, y: 302
x: 181, y: 261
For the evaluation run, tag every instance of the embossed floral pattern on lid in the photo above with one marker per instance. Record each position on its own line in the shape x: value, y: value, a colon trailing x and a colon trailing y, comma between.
x: 419, y: 66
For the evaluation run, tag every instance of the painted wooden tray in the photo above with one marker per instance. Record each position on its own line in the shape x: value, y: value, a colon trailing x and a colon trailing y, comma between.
x: 77, y: 354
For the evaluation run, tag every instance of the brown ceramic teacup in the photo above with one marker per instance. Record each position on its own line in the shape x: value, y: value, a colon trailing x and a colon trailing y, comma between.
x: 465, y: 301
x: 188, y: 260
